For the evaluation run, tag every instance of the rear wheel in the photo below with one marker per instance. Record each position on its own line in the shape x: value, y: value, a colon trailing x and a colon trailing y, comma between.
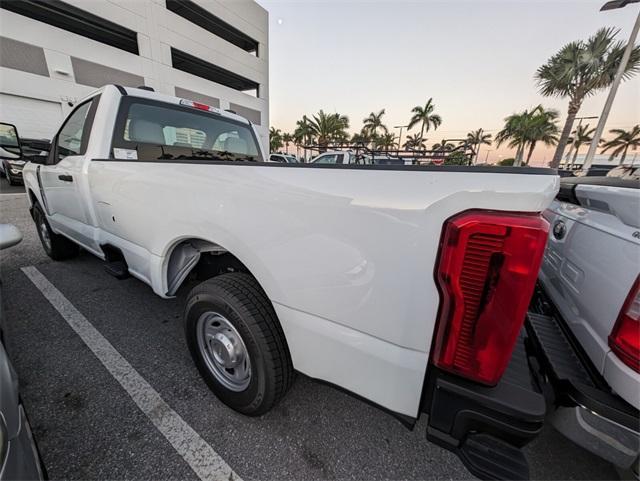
x: 237, y: 343
x: 56, y: 246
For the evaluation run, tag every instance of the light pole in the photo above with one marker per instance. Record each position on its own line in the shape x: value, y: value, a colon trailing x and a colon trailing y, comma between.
x: 616, y: 81
x: 579, y: 119
x: 486, y: 157
x: 400, y: 136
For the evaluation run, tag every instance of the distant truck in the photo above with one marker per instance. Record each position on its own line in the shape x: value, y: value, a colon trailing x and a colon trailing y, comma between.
x: 341, y: 157
x: 585, y: 325
x: 405, y: 285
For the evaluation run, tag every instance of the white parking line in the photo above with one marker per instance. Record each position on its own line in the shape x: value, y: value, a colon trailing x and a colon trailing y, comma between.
x: 198, y: 454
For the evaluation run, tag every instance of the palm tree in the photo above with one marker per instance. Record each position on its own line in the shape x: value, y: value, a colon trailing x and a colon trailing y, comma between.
x: 275, y: 139
x: 443, y: 146
x: 622, y: 141
x: 303, y: 133
x: 363, y: 137
x: 477, y: 138
x: 329, y: 128
x: 581, y: 69
x: 513, y: 133
x: 425, y: 117
x: 527, y: 129
x: 374, y: 122
x: 414, y: 142
x: 541, y: 126
x: 287, y: 138
x: 582, y: 135
x: 386, y: 141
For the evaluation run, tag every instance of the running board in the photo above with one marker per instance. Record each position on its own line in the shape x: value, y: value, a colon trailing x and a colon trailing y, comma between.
x: 117, y: 269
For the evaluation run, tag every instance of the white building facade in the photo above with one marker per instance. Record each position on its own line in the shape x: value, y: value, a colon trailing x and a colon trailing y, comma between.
x: 54, y: 53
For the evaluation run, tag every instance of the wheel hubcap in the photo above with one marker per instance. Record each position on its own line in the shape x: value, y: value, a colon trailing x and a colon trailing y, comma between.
x: 44, y: 235
x: 224, y: 351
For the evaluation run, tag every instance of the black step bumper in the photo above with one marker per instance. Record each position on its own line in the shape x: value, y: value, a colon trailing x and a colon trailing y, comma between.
x: 486, y: 426
x: 580, y: 403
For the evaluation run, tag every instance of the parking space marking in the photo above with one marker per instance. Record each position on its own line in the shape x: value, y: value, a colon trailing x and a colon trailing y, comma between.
x: 198, y: 454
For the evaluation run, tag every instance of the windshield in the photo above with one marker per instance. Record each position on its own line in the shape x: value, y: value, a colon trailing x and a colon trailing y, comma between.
x: 155, y: 130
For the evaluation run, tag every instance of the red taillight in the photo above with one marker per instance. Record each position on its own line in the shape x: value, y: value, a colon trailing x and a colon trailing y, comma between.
x: 487, y: 270
x: 624, y: 340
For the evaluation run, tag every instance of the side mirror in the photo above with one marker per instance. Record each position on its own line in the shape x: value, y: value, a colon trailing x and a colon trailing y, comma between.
x: 9, y: 142
x: 9, y: 236
x: 38, y: 159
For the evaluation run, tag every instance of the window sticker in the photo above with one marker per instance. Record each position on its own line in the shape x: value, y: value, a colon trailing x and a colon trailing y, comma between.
x: 128, y: 154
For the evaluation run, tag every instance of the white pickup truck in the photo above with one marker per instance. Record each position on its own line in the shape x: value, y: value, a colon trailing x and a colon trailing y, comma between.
x: 584, y: 327
x: 404, y: 285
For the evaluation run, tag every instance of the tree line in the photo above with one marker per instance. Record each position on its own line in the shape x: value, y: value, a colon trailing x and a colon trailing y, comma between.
x: 578, y: 70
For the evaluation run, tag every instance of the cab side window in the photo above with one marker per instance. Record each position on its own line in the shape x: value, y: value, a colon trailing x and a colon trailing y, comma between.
x: 327, y: 159
x: 74, y: 134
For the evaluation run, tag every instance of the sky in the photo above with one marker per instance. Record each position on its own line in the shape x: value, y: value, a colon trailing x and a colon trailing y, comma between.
x: 475, y: 58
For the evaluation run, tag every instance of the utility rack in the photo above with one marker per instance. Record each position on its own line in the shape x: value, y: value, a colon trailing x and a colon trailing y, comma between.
x: 397, y: 156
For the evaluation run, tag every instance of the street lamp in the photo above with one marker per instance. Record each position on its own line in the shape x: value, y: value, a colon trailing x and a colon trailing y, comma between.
x: 400, y: 136
x: 579, y: 119
x: 616, y: 81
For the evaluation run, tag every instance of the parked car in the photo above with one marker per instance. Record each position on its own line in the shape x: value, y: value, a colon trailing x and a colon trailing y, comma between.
x: 328, y: 271
x: 585, y: 325
x: 283, y: 159
x: 355, y: 158
x: 19, y: 456
x: 596, y: 170
x: 11, y: 161
x: 340, y: 157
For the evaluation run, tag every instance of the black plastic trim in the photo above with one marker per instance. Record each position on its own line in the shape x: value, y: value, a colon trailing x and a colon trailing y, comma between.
x: 73, y: 19
x: 207, y: 20
x: 507, y: 416
x: 423, y: 168
x: 121, y: 89
x: 569, y: 392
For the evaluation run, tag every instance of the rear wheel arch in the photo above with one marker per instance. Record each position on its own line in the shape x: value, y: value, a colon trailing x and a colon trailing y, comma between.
x: 207, y: 259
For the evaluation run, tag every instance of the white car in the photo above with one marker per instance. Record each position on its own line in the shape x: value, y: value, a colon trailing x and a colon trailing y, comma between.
x: 586, y: 333
x: 340, y: 157
x: 407, y: 287
x: 283, y: 158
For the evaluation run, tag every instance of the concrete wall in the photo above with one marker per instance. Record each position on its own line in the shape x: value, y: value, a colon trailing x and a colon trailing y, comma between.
x: 158, y: 30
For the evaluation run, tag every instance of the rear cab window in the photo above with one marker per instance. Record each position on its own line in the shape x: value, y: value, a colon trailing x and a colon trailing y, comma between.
x: 152, y: 130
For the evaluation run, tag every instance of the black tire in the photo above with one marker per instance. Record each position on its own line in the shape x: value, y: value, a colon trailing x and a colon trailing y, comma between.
x: 240, y: 299
x: 59, y: 247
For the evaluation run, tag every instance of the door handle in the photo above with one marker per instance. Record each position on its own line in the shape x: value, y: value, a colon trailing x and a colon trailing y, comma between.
x: 66, y: 177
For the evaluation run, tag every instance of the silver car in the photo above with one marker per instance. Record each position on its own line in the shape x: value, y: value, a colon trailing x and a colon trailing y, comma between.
x: 19, y: 457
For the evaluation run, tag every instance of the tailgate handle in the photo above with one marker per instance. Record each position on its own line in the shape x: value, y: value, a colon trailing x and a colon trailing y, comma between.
x: 66, y: 177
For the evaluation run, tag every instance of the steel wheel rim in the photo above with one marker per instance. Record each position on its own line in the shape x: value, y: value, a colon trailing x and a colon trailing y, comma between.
x: 44, y: 234
x: 223, y: 351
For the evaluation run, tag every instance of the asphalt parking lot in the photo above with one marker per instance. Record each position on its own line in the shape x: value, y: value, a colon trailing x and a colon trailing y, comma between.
x: 87, y: 426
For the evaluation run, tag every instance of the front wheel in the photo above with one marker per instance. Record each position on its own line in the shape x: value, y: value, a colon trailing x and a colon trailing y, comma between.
x: 237, y: 343
x: 56, y: 246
